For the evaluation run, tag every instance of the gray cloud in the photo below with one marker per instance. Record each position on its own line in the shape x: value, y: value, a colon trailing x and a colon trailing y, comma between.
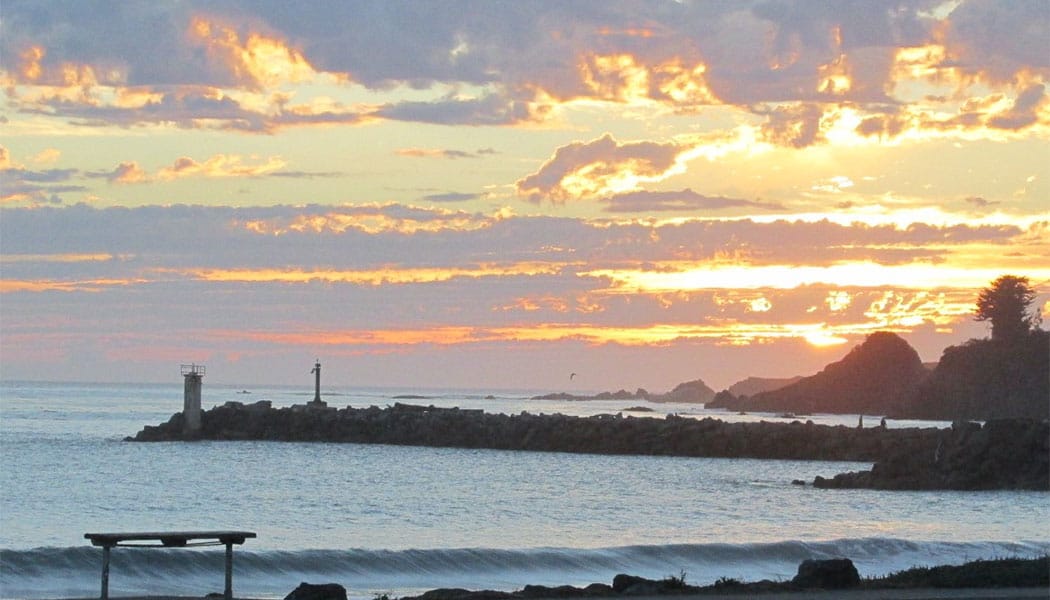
x: 753, y: 52
x: 684, y: 200
x: 1000, y: 39
x: 1025, y: 110
x: 303, y: 174
x: 603, y: 159
x: 980, y: 202
x: 37, y: 187
x: 444, y: 153
x: 491, y: 109
x: 451, y: 197
x: 221, y: 237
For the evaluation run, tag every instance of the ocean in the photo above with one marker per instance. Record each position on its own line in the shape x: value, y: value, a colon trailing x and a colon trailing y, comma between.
x: 400, y: 520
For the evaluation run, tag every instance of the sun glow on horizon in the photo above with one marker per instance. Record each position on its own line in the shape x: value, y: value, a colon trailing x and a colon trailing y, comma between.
x: 864, y: 274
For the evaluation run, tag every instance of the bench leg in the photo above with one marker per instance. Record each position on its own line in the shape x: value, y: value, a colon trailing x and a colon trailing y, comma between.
x: 105, y: 573
x: 228, y: 592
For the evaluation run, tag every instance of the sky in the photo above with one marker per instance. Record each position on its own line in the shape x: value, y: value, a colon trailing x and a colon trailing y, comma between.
x: 493, y: 195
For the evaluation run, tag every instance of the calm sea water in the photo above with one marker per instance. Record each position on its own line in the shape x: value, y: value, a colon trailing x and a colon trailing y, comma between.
x: 398, y: 520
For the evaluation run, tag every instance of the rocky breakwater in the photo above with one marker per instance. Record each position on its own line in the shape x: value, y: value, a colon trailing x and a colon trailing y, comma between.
x: 405, y: 424
x: 1001, y: 454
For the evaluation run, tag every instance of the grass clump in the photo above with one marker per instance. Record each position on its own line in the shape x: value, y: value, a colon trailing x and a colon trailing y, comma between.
x: 675, y: 582
x: 1000, y: 572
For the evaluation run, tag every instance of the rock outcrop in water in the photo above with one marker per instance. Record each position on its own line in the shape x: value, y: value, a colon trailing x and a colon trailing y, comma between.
x: 693, y: 392
x: 1003, y: 454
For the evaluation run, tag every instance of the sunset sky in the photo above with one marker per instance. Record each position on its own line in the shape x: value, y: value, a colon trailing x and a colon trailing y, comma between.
x: 496, y: 194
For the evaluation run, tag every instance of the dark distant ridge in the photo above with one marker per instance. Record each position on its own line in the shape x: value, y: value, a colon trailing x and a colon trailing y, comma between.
x: 755, y: 385
x: 693, y: 392
x: 874, y: 378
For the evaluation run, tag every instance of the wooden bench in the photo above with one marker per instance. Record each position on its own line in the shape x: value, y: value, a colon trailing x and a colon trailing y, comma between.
x: 169, y: 539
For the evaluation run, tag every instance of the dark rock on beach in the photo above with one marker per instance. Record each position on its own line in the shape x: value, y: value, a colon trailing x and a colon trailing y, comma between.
x: 462, y: 594
x: 1001, y: 454
x: 830, y: 574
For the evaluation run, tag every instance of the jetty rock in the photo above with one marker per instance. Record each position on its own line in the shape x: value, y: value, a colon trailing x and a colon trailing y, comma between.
x: 414, y: 425
x: 1001, y: 454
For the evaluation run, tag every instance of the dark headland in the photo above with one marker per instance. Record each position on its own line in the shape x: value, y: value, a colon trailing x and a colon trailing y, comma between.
x: 979, y: 380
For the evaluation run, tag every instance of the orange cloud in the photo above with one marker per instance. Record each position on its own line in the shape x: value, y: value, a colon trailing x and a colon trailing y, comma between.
x: 258, y: 61
x: 46, y: 156
x: 601, y: 167
x: 393, y: 275
x: 729, y: 333
x: 220, y: 165
x: 128, y: 172
x: 369, y: 219
x: 684, y: 276
x: 8, y: 286
x: 30, y: 68
x: 627, y: 78
x: 61, y: 258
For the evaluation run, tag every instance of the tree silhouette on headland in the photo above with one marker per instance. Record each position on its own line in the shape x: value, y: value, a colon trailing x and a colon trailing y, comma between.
x: 1006, y: 304
x: 1006, y: 376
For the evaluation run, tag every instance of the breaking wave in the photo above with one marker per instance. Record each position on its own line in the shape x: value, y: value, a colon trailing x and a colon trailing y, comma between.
x: 75, y: 571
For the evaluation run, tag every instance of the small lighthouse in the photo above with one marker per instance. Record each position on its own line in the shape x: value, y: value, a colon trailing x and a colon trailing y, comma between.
x: 191, y: 399
x: 317, y: 380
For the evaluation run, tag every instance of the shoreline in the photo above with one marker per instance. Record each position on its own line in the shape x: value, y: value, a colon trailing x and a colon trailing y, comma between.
x: 816, y: 580
x: 897, y: 594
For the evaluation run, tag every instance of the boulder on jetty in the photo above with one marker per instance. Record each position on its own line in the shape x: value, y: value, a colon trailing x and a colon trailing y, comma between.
x: 317, y: 591
x: 1001, y: 454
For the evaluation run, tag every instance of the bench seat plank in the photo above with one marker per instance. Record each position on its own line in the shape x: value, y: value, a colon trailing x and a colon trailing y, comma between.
x: 168, y: 538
